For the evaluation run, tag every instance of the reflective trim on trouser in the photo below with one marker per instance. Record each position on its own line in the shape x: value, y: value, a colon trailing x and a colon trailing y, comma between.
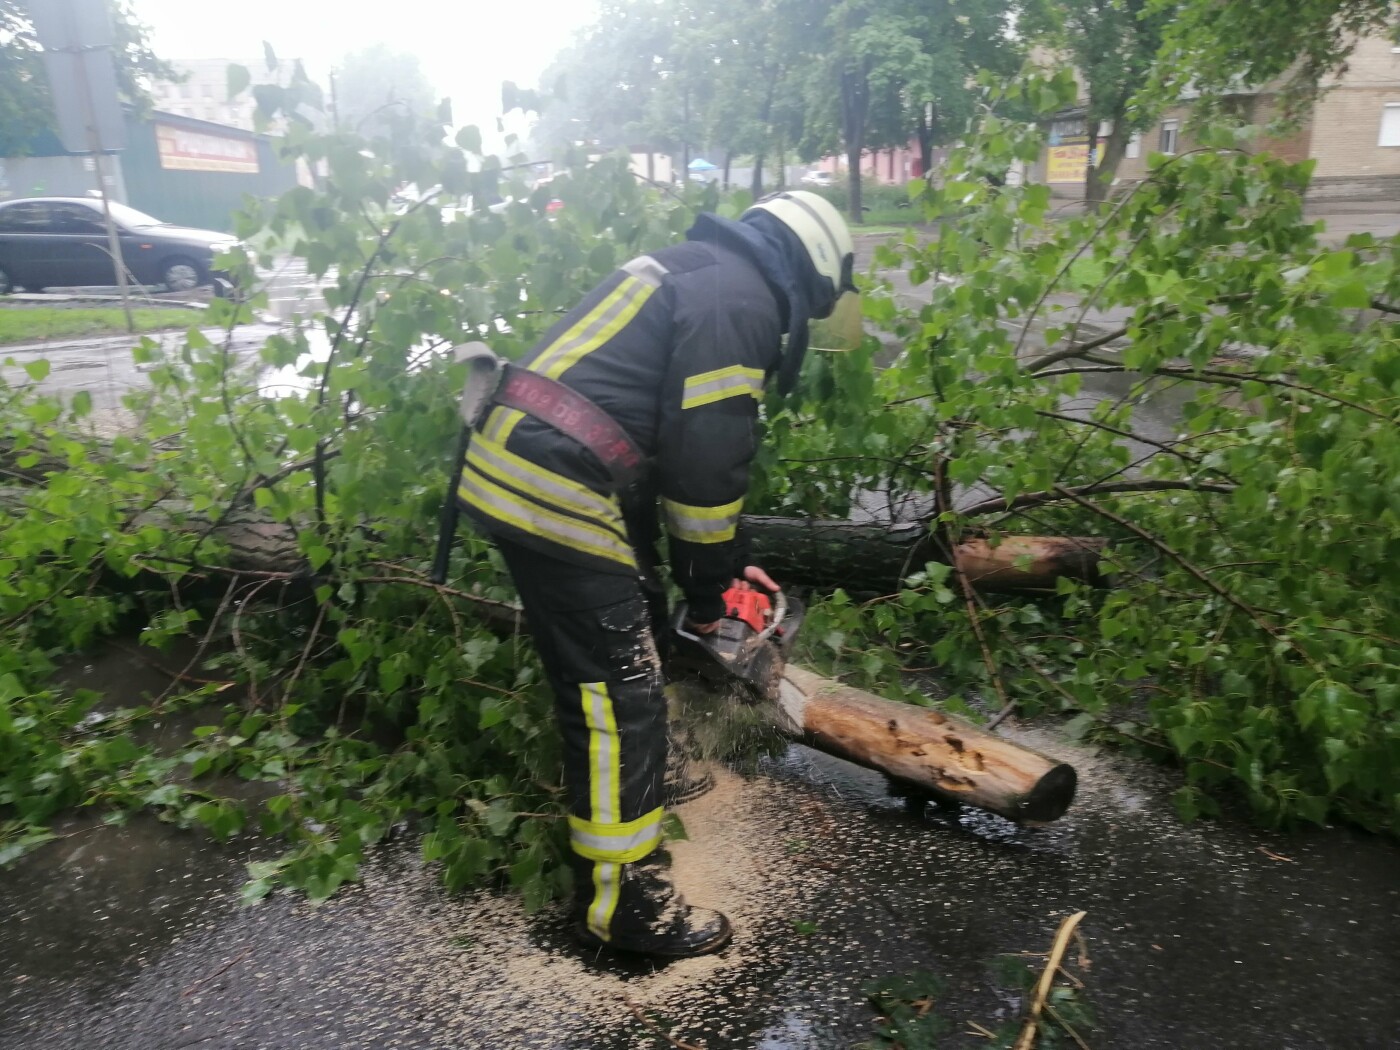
x: 593, y: 631
x: 620, y: 842
x: 607, y: 886
x: 604, y: 758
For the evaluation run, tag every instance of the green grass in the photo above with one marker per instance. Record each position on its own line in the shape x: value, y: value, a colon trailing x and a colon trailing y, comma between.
x: 25, y: 324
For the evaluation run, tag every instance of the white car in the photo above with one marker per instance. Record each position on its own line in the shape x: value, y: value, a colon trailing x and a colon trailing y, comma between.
x: 818, y: 178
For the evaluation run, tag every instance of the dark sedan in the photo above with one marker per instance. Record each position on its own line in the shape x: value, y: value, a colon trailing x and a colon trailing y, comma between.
x: 62, y: 241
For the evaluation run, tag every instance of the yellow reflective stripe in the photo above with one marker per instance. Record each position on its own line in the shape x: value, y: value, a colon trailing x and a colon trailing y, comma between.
x: 500, y: 423
x: 709, y: 387
x: 621, y: 843
x: 702, y: 524
x: 595, y: 328
x: 501, y: 465
x: 604, y: 760
x: 607, y: 885
x: 526, y: 515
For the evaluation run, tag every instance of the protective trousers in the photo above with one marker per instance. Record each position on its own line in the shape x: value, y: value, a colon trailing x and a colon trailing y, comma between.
x: 596, y: 636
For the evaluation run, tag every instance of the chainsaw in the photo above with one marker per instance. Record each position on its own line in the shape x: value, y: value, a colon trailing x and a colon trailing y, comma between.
x: 749, y: 648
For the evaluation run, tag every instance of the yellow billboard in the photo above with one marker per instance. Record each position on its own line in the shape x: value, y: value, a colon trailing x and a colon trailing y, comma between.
x: 1068, y: 161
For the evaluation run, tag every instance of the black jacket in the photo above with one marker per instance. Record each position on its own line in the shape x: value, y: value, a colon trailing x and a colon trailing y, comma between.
x: 675, y: 346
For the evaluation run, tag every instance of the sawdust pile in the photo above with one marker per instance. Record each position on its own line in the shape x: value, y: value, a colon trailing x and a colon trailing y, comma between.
x: 542, y: 993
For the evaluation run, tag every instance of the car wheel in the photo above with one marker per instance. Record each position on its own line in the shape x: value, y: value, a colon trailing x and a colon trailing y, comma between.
x: 6, y: 287
x: 180, y: 274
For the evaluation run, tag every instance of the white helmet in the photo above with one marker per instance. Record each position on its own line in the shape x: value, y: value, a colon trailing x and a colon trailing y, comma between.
x: 821, y: 230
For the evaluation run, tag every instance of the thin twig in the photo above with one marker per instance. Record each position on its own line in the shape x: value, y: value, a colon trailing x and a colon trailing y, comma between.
x: 1069, y: 1030
x: 225, y: 968
x: 679, y: 1044
x: 1047, y: 980
x: 204, y: 642
x: 1055, y: 495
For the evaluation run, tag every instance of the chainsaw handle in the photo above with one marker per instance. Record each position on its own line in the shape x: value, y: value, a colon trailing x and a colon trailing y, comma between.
x: 780, y: 607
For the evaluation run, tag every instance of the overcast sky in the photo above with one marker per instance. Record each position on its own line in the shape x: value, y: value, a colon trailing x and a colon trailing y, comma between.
x: 466, y: 47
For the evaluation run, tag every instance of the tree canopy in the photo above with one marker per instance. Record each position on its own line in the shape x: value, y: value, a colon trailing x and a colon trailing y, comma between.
x: 377, y: 83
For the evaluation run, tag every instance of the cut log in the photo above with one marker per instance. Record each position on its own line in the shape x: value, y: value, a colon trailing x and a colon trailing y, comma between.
x: 876, y: 558
x: 945, y: 756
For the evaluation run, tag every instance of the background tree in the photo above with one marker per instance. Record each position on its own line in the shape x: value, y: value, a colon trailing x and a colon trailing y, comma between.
x: 1214, y: 45
x: 603, y: 88
x: 25, y: 104
x: 377, y: 82
x: 1115, y: 46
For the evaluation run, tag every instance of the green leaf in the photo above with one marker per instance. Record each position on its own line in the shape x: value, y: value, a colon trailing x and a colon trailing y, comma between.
x: 37, y: 370
x: 238, y: 80
x: 469, y: 138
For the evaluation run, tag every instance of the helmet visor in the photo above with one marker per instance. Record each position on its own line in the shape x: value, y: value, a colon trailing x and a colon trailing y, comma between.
x: 843, y: 329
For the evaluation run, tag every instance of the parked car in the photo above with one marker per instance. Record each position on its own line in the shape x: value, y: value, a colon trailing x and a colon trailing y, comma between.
x: 818, y: 178
x: 48, y: 241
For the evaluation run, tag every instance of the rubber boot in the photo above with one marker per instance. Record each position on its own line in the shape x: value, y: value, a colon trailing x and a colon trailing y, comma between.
x: 684, y: 783
x: 649, y: 918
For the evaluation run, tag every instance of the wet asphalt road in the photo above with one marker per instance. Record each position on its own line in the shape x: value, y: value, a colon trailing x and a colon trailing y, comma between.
x: 1200, y: 936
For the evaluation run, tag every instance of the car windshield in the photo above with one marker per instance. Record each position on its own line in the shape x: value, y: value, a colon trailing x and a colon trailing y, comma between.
x: 131, y: 218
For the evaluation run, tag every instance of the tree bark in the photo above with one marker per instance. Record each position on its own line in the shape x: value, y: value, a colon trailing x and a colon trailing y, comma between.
x: 926, y: 749
x: 855, y: 104
x: 925, y: 133
x: 875, y: 558
x: 823, y: 555
x: 1108, y: 154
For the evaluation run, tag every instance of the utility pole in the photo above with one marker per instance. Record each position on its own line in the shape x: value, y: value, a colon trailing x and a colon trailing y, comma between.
x: 78, y: 50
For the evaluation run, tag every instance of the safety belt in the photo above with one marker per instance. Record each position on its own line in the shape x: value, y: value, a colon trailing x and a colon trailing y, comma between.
x: 492, y: 382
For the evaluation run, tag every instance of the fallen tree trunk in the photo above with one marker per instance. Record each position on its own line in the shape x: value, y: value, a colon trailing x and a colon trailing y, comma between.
x: 950, y: 759
x: 859, y: 557
x: 929, y: 750
x: 822, y: 555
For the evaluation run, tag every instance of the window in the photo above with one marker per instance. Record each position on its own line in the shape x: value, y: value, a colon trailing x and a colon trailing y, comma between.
x: 1166, y: 143
x: 1134, y: 150
x: 76, y: 218
x: 25, y: 218
x: 1390, y: 125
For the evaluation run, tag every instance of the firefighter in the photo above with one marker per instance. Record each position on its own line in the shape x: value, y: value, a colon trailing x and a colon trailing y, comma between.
x: 671, y: 352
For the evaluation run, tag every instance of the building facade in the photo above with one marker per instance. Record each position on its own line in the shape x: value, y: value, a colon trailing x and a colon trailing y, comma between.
x: 1351, y: 133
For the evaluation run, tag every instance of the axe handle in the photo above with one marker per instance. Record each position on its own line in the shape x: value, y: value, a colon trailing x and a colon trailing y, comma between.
x: 451, y: 511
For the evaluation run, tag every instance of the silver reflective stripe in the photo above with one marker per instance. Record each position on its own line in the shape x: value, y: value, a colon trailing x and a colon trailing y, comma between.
x: 595, y: 328
x: 620, y: 846
x: 539, y: 482
x: 505, y: 506
x: 607, y: 883
x: 702, y: 524
x: 646, y: 269
x: 602, y: 752
x: 709, y: 387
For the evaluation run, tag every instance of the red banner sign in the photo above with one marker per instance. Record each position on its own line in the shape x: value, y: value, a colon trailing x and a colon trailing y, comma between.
x: 184, y: 150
